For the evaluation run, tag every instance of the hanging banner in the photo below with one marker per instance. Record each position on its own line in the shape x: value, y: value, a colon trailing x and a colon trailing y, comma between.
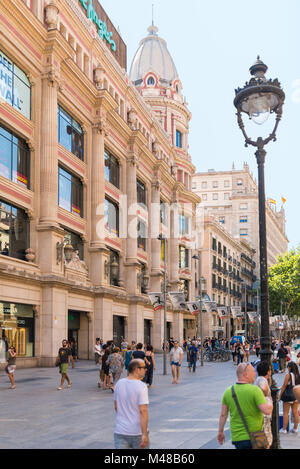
x: 194, y: 307
x: 236, y: 312
x: 222, y: 312
x: 210, y: 306
x: 157, y: 300
x: 178, y: 300
x: 252, y: 315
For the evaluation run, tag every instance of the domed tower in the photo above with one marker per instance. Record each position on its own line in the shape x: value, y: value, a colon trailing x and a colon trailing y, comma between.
x: 155, y: 76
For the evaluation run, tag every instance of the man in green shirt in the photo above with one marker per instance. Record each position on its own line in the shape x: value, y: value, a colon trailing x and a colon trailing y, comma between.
x: 253, y: 404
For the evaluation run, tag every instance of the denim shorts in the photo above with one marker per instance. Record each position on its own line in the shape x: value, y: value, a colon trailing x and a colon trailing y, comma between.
x: 128, y: 441
x: 176, y: 363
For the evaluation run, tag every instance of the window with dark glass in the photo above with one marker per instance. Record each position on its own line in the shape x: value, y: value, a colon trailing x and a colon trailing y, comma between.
x: 70, y: 133
x: 111, y: 217
x: 70, y: 192
x: 76, y: 241
x: 183, y: 257
x: 141, y: 192
x: 141, y: 235
x: 114, y: 268
x: 111, y: 169
x: 163, y: 213
x: 151, y: 81
x: 184, y: 287
x: 14, y: 231
x: 14, y: 158
x: 178, y: 139
x: 17, y: 329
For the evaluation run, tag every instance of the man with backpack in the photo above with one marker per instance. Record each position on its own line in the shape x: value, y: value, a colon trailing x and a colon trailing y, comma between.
x: 193, y: 356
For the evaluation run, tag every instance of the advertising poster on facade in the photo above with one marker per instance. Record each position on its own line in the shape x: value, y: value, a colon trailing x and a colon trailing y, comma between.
x: 210, y: 306
x: 157, y: 300
x: 236, y: 312
x: 194, y: 307
x: 177, y: 300
x: 222, y: 312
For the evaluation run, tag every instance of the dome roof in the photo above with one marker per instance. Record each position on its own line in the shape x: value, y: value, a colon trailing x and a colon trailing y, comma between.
x: 153, y: 56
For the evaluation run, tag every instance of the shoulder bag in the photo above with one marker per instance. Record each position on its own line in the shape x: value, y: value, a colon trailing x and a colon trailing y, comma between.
x: 258, y: 439
x: 288, y: 393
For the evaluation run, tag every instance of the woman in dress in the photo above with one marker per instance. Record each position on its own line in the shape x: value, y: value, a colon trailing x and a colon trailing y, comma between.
x: 11, y: 365
x: 291, y: 378
x: 247, y: 351
x: 115, y: 362
x: 150, y: 367
x: 105, y: 367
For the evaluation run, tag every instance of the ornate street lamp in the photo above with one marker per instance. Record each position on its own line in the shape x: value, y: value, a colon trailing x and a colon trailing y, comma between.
x: 258, y: 99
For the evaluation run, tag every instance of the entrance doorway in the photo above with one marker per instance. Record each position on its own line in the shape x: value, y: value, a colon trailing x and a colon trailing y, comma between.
x: 73, y: 325
x: 147, y: 331
x: 118, y: 329
x: 79, y: 330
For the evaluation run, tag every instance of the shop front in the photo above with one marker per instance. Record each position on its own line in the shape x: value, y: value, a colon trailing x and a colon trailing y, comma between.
x: 17, y: 326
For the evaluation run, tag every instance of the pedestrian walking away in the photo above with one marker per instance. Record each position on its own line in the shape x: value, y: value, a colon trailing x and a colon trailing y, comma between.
x: 115, y: 362
x: 128, y: 354
x: 263, y: 381
x: 193, y: 356
x: 176, y: 356
x: 63, y: 360
x: 105, y: 373
x: 253, y: 405
x: 150, y: 367
x: 131, y: 406
x: 282, y: 355
x: 291, y: 379
x: 139, y: 353
x: 11, y: 365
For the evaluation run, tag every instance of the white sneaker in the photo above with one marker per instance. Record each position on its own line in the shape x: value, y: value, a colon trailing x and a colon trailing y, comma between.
x: 282, y: 431
x: 294, y: 431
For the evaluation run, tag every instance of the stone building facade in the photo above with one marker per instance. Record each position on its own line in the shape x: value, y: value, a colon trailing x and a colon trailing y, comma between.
x: 88, y: 171
x: 232, y: 198
x: 227, y: 268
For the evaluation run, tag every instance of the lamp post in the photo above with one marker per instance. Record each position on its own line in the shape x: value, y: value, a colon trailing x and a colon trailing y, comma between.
x: 258, y: 99
x: 162, y: 238
x: 244, y: 284
x: 199, y: 319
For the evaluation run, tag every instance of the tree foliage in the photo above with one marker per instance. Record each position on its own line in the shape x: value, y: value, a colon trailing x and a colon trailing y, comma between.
x: 284, y: 283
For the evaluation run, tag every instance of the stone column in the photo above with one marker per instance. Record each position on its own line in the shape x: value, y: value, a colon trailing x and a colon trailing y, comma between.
x: 98, y: 250
x: 131, y: 245
x: 38, y: 9
x: 154, y: 233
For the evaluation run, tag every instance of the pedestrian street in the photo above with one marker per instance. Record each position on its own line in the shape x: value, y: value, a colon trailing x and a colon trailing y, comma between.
x: 183, y: 416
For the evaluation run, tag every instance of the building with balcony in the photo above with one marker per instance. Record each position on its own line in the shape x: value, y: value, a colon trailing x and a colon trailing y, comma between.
x: 88, y: 172
x: 232, y: 198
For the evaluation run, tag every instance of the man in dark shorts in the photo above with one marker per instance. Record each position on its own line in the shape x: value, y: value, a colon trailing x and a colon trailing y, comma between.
x: 63, y: 356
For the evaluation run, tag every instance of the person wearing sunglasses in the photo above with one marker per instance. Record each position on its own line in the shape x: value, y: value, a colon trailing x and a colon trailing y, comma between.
x: 131, y: 406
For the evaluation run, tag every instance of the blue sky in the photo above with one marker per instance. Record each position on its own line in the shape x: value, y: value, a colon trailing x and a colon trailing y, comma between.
x: 213, y: 44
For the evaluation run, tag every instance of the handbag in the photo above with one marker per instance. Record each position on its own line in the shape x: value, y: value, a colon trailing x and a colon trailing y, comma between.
x: 258, y: 439
x: 288, y: 393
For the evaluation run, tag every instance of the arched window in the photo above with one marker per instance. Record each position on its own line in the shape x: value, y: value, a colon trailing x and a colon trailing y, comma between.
x: 150, y: 81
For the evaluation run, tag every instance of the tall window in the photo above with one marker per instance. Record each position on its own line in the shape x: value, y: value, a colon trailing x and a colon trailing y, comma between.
x: 14, y: 231
x: 111, y: 217
x: 14, y: 158
x: 70, y: 133
x: 70, y: 192
x: 151, y: 81
x: 76, y: 241
x: 15, y: 87
x: 111, y: 169
x: 141, y: 235
x: 183, y: 257
x: 163, y: 213
x: 184, y: 224
x: 178, y: 139
x: 184, y: 287
x: 141, y: 192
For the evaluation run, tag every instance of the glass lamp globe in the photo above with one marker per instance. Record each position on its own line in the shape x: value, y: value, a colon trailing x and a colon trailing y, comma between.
x: 259, y: 108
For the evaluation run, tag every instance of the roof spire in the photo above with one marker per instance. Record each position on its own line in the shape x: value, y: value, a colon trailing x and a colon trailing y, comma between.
x: 152, y: 14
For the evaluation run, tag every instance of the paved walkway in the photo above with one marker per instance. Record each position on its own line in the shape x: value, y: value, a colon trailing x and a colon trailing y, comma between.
x: 184, y: 416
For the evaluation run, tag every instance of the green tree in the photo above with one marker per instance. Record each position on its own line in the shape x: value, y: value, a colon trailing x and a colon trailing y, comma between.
x: 284, y: 283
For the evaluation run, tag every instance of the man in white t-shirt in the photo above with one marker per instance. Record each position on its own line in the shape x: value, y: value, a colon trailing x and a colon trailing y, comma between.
x: 131, y: 406
x: 176, y: 357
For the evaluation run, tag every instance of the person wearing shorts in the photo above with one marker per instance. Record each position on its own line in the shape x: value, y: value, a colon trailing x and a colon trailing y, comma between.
x: 11, y: 365
x: 63, y: 356
x: 176, y: 357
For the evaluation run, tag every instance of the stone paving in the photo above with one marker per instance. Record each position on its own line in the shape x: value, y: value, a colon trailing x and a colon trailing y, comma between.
x: 185, y: 416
